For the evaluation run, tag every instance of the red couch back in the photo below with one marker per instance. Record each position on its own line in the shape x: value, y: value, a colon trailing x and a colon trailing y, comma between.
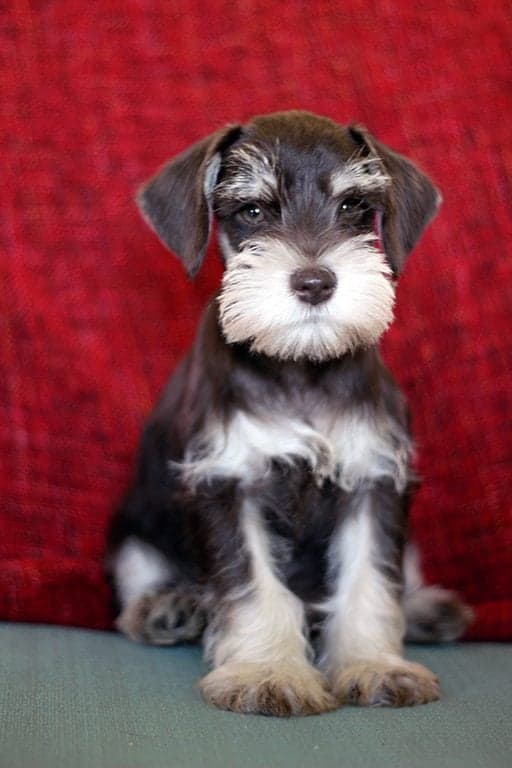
x: 95, y: 313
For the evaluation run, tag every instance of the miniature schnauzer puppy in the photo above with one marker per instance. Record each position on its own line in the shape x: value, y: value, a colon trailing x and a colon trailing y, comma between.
x: 268, y: 513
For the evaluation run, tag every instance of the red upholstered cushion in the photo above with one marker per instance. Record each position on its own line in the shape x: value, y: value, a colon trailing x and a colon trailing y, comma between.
x: 95, y: 313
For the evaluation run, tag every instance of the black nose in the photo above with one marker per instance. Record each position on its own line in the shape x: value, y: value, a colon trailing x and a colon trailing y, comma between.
x: 314, y: 284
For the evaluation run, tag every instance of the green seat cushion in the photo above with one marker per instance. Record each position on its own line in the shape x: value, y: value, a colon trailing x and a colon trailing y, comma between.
x: 81, y: 699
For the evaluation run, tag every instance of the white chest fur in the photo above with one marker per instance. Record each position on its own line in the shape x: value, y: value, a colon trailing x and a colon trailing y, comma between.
x: 347, y: 448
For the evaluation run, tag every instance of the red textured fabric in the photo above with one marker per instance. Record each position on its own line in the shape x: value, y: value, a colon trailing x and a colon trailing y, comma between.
x: 95, y: 313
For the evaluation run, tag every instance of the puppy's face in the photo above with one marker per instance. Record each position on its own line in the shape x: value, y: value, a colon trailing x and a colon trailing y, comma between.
x: 297, y: 212
x: 311, y: 229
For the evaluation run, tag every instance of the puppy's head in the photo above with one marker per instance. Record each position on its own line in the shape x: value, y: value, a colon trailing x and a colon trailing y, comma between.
x: 314, y: 220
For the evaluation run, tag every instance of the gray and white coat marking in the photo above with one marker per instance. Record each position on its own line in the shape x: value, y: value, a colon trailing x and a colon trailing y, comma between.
x: 268, y: 513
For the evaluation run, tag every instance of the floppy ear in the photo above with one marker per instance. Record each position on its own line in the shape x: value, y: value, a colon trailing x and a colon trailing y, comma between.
x: 176, y: 202
x: 412, y: 200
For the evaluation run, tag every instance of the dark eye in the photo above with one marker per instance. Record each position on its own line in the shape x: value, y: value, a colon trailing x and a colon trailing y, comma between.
x: 355, y: 210
x: 252, y: 213
x: 351, y: 204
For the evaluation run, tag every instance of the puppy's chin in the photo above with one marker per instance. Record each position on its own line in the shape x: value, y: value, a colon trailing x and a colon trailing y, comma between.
x: 258, y: 307
x: 314, y: 341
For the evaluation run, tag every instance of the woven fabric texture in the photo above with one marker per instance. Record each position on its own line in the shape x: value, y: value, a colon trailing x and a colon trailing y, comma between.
x: 95, y: 313
x: 89, y: 700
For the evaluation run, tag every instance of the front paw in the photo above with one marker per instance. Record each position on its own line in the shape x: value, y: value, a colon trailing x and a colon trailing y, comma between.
x: 397, y: 683
x: 267, y: 689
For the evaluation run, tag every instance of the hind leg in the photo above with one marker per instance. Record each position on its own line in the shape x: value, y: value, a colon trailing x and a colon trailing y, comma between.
x: 158, y: 606
x: 170, y: 616
x: 432, y: 614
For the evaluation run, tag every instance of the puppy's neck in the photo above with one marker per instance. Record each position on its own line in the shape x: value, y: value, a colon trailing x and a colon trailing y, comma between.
x: 353, y: 377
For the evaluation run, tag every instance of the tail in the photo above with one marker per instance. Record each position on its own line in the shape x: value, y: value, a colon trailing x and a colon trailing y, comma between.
x: 432, y: 614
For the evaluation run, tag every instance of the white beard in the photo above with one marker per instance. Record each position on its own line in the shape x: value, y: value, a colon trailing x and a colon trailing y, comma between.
x: 257, y: 304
